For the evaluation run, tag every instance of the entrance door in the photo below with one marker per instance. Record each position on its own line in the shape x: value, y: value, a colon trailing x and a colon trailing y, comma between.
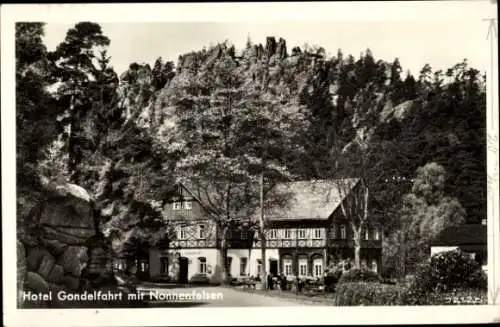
x: 183, y: 270
x: 273, y: 267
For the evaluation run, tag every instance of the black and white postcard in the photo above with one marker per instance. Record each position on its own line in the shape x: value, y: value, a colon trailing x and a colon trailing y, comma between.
x: 243, y: 163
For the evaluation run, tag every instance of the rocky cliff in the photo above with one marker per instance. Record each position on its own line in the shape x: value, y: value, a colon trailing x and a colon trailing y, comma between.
x: 59, y: 247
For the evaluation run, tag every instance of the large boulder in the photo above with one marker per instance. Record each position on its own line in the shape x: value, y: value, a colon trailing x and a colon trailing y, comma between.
x: 74, y: 260
x: 56, y: 274
x: 46, y: 264
x: 72, y: 283
x: 36, y: 283
x: 68, y: 216
x: 36, y: 256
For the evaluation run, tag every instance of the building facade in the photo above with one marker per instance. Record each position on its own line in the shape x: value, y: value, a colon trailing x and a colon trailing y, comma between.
x: 303, y: 236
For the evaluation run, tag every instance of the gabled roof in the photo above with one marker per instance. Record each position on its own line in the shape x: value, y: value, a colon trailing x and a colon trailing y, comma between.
x: 314, y: 199
x: 202, y: 195
x: 467, y: 234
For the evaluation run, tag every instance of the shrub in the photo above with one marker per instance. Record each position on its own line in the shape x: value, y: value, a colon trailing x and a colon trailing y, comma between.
x: 450, y: 270
x: 368, y: 293
x: 446, y: 273
x: 463, y: 296
x: 359, y: 275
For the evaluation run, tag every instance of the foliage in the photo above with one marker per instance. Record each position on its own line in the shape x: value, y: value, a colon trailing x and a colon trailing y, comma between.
x: 359, y: 275
x: 36, y: 111
x: 425, y: 212
x: 450, y: 270
x: 366, y: 293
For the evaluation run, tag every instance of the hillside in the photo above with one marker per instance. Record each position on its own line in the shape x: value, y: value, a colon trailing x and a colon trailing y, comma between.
x: 232, y: 116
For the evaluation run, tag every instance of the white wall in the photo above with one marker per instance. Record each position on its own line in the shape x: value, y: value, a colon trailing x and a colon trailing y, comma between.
x: 211, y: 255
x: 192, y: 255
x: 439, y: 249
x: 252, y: 256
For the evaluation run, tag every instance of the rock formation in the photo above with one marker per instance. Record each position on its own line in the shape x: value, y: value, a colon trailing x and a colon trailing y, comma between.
x: 58, y: 238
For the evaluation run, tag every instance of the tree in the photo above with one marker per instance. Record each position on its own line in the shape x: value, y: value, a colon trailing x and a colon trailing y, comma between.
x: 36, y: 110
x: 77, y: 65
x: 233, y: 132
x: 427, y: 211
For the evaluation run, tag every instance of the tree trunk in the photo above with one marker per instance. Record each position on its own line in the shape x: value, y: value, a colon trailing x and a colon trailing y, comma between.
x: 223, y: 257
x: 357, y: 252
x: 262, y: 232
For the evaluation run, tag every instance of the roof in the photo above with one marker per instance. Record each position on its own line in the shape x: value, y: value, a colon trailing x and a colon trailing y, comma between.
x: 468, y: 234
x: 312, y: 199
x: 315, y: 199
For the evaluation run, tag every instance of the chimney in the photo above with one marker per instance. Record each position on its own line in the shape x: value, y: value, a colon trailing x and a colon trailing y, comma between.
x: 484, y: 222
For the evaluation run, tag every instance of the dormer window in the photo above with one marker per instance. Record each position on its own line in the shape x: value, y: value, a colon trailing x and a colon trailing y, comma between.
x: 176, y: 205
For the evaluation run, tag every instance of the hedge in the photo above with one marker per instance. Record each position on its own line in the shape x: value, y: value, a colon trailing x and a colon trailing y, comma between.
x: 359, y: 275
x: 364, y: 294
x: 368, y: 293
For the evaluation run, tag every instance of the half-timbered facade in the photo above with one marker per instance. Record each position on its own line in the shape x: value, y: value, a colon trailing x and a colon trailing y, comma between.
x: 303, y: 235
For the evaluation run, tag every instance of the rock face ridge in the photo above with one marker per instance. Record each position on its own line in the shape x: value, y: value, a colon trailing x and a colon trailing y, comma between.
x: 57, y: 241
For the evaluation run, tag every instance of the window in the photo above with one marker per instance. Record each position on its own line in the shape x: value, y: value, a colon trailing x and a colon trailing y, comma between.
x: 317, y: 233
x: 201, y: 231
x: 273, y: 234
x: 301, y: 233
x: 164, y: 265
x: 243, y: 266
x: 366, y: 234
x: 202, y: 265
x: 259, y: 267
x: 182, y: 233
x: 376, y: 234
x: 143, y: 266
x: 374, y: 265
x: 176, y: 205
x: 318, y: 267
x: 188, y: 205
x: 287, y: 266
x: 334, y: 232
x: 244, y: 234
x: 303, y: 267
x: 343, y: 232
x: 288, y: 233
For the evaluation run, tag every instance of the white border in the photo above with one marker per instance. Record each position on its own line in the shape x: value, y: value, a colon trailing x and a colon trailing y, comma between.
x: 239, y: 12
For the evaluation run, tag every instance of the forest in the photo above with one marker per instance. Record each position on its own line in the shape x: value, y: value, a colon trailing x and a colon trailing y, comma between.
x: 223, y: 117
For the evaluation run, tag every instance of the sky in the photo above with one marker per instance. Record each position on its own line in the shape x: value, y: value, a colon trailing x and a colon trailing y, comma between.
x: 415, y: 43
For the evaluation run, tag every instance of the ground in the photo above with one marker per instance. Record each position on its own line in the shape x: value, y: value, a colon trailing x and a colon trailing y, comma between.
x: 227, y: 297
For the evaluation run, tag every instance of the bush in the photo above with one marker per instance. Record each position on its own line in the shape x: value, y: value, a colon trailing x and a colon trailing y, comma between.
x: 463, y: 296
x: 359, y: 275
x: 447, y: 273
x: 368, y: 293
x: 450, y: 270
x: 331, y: 279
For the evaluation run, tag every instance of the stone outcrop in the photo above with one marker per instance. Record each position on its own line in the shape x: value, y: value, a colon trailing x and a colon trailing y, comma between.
x: 63, y: 235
